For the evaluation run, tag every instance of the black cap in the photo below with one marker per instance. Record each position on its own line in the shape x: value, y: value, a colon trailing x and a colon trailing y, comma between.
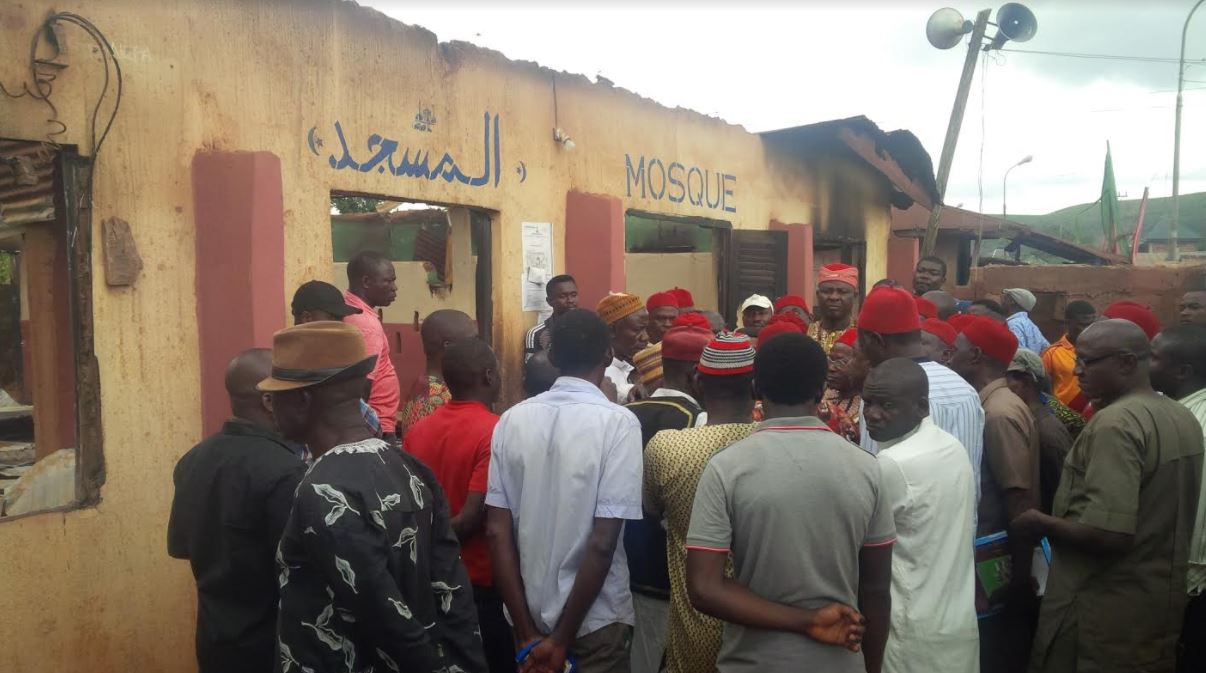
x: 316, y: 295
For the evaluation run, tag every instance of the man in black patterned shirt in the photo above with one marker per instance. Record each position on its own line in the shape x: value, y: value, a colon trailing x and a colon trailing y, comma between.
x: 370, y: 573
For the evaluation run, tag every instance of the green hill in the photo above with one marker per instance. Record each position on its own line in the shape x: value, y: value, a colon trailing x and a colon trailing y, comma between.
x: 1082, y: 223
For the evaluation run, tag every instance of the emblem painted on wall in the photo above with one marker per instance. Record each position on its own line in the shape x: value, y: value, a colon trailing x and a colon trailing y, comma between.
x: 415, y: 163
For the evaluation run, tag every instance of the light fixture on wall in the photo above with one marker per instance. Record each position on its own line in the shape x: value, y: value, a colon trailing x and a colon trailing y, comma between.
x: 562, y: 137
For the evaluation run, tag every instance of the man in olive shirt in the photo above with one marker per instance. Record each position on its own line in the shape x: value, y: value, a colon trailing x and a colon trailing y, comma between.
x: 1122, y: 518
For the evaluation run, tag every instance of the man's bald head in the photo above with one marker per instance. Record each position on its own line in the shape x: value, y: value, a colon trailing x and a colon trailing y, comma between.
x: 539, y: 374
x: 944, y: 301
x: 1112, y: 361
x: 443, y: 328
x: 1117, y: 334
x: 243, y: 373
x: 895, y: 398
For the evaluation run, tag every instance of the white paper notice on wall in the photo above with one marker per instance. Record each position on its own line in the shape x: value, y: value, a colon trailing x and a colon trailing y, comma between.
x: 537, y: 264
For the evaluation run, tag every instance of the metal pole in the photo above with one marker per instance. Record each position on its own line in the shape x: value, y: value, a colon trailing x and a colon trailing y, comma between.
x: 1174, y: 255
x: 952, y: 129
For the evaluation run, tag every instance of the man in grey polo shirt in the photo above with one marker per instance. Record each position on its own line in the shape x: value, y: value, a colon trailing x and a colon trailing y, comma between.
x: 801, y: 511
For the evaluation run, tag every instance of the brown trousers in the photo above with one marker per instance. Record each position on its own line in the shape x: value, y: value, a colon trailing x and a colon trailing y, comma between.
x: 604, y: 650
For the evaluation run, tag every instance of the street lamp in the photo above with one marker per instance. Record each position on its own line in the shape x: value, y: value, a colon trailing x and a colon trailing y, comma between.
x: 1174, y: 255
x: 1005, y: 183
x: 980, y: 232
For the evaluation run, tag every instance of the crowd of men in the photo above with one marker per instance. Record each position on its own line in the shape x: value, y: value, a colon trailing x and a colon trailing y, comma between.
x: 925, y: 485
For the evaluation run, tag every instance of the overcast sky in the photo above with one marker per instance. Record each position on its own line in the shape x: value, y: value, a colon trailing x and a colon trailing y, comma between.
x: 771, y: 65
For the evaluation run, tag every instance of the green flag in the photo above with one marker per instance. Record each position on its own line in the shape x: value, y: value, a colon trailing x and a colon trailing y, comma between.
x: 1109, y: 204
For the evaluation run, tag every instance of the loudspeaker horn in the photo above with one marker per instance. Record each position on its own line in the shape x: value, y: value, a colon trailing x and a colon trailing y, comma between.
x: 1016, y: 22
x: 946, y: 28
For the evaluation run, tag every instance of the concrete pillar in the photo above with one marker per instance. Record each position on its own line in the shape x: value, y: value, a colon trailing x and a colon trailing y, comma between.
x: 240, y: 264
x: 800, y: 274
x: 903, y: 254
x: 594, y: 245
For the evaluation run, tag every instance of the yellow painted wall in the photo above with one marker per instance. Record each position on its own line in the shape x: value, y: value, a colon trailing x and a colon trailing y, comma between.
x: 93, y: 590
x: 649, y: 272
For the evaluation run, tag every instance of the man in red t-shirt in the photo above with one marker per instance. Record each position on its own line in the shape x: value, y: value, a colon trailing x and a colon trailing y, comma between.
x: 454, y: 441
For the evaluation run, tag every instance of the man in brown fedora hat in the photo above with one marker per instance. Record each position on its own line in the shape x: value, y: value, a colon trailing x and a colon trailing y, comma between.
x: 370, y: 573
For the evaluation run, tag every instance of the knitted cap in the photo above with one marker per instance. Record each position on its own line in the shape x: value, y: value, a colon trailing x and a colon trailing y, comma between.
x: 617, y: 306
x: 686, y: 344
x: 685, y: 300
x: 940, y: 329
x: 727, y: 355
x: 649, y: 364
x: 1136, y: 313
x: 926, y: 308
x: 692, y: 320
x: 783, y: 323
x: 660, y: 300
x: 993, y: 338
x: 960, y: 320
x: 791, y: 300
x: 889, y: 310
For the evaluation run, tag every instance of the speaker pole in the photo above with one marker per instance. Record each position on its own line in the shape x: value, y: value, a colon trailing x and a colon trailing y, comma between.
x: 952, y: 129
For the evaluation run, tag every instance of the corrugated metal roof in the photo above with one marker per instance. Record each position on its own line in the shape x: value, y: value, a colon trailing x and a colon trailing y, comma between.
x: 26, y: 182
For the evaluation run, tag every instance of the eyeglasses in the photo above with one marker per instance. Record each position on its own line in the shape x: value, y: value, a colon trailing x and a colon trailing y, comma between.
x: 1085, y: 364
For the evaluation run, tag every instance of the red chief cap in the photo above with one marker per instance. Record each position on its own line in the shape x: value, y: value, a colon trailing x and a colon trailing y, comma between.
x: 889, y: 310
x: 661, y: 300
x: 692, y: 320
x: 993, y: 338
x: 1136, y: 313
x: 841, y: 273
x: 791, y: 300
x: 849, y: 337
x: 926, y: 308
x: 685, y: 343
x: 784, y: 323
x: 940, y: 329
x: 960, y: 320
x: 683, y: 297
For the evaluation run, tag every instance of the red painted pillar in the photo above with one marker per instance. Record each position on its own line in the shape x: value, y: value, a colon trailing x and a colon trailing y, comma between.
x: 903, y: 254
x: 240, y: 265
x: 594, y: 245
x: 800, y: 276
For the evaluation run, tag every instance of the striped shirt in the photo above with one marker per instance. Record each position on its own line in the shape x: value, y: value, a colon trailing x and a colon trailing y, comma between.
x: 536, y: 340
x: 1028, y: 334
x: 954, y: 407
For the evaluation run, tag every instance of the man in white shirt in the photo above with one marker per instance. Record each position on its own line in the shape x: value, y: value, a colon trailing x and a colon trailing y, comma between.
x: 927, y: 479
x: 888, y: 327
x: 565, y: 472
x: 627, y: 317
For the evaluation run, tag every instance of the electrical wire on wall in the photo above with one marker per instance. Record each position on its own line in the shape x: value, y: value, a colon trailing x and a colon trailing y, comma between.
x: 43, y: 72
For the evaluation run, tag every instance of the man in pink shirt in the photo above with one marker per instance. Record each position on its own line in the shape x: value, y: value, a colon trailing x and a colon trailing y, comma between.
x: 372, y: 283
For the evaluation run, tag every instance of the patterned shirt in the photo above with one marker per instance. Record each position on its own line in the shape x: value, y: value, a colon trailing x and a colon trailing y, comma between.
x: 1073, y: 421
x: 827, y: 337
x: 1028, y: 334
x: 842, y: 415
x: 370, y: 576
x: 428, y: 394
x: 674, y: 461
